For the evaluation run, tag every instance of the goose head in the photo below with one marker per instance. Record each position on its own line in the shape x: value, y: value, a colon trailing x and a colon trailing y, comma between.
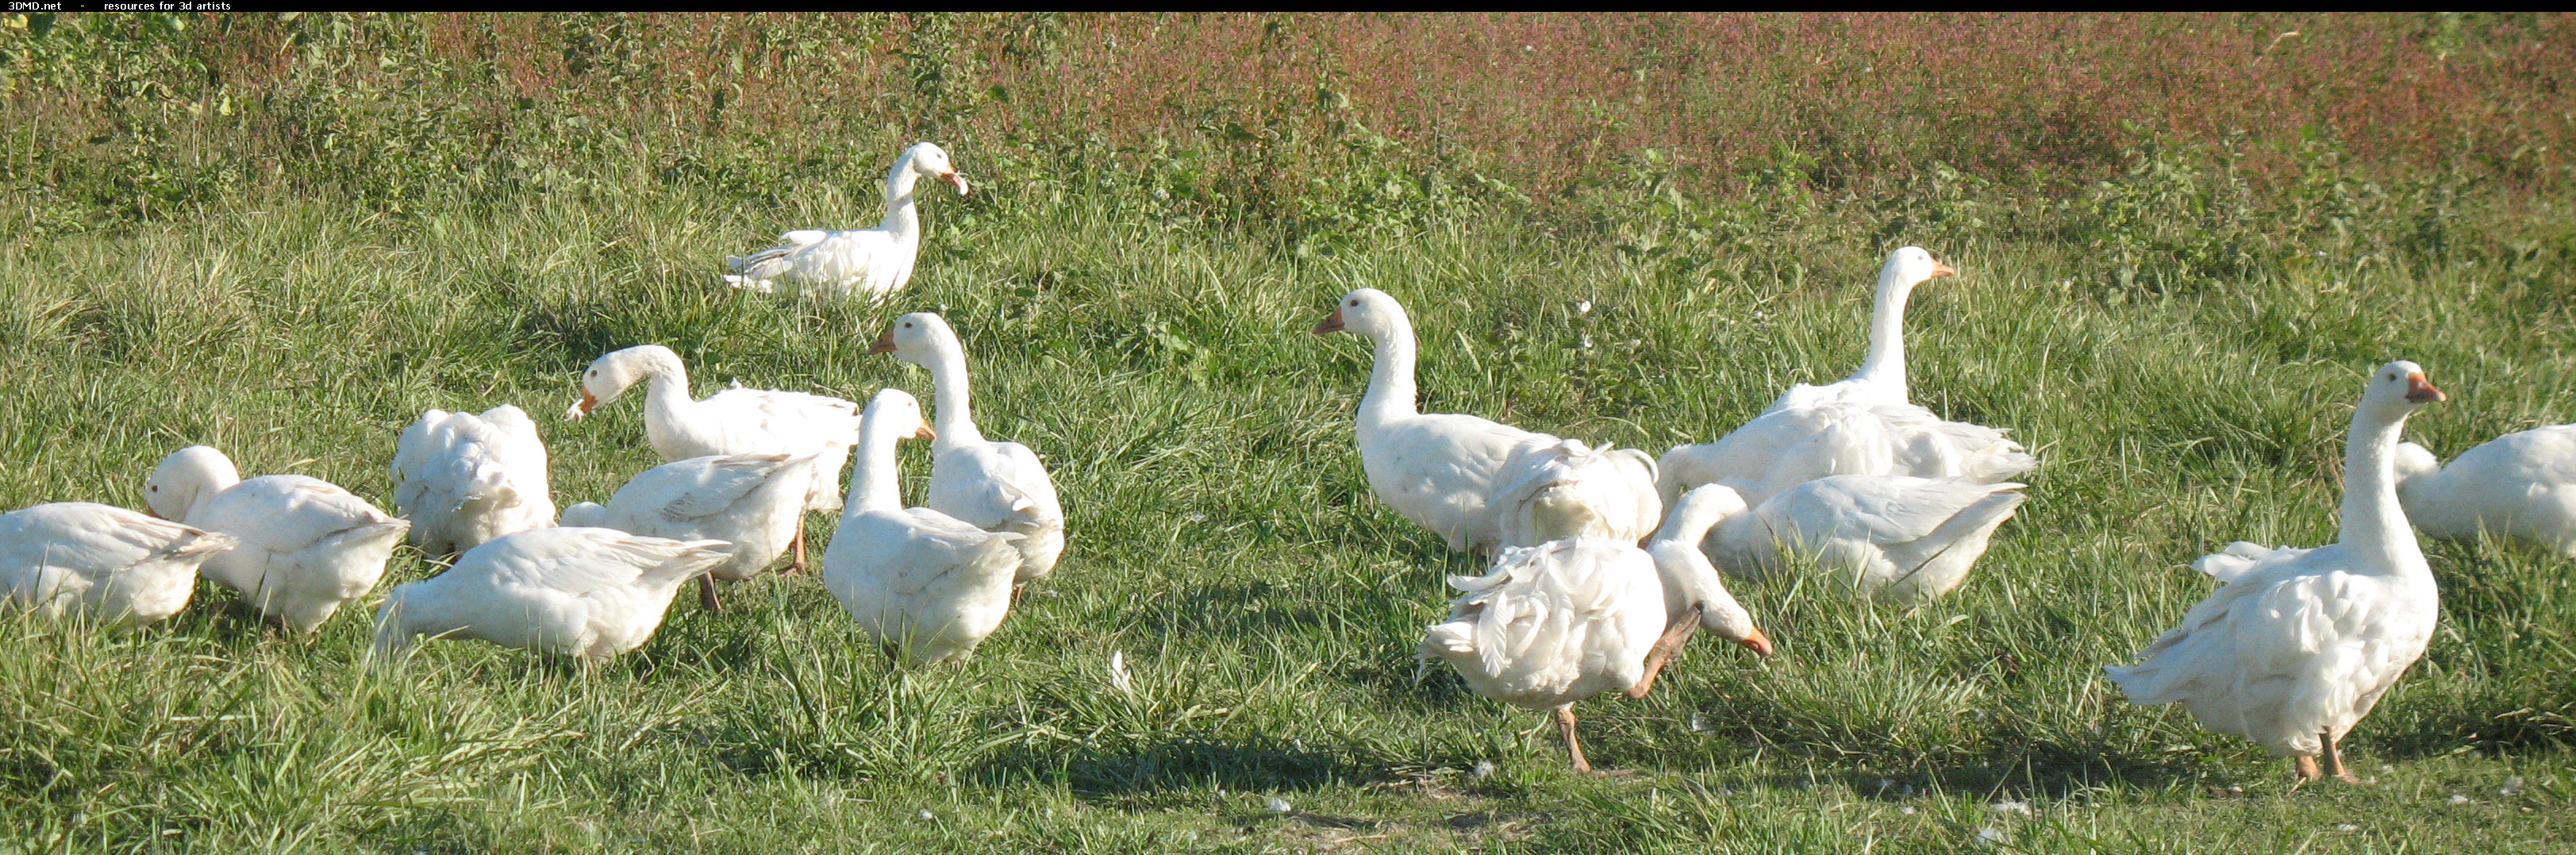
x: 2396, y: 391
x: 186, y: 479
x: 918, y: 338
x: 1366, y: 312
x: 931, y: 161
x: 1698, y: 584
x: 896, y: 413
x: 1911, y: 266
x: 614, y: 372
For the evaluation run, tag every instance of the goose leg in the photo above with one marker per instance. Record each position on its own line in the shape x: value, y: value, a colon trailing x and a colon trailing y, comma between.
x: 1676, y: 635
x: 2303, y: 768
x: 2334, y: 760
x: 799, y: 562
x: 707, y: 594
x: 1573, y: 746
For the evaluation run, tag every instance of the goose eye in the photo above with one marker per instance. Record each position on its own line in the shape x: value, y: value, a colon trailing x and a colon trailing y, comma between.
x: 1355, y: 304
x: 154, y: 488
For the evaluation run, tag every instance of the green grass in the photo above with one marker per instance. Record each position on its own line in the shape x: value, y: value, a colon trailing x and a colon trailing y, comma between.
x: 1223, y: 538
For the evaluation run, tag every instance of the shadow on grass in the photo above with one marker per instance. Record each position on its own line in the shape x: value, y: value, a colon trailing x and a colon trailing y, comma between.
x: 1258, y: 763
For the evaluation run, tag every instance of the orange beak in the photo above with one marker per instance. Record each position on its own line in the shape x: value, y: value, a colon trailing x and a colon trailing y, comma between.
x: 1940, y: 269
x: 1330, y: 325
x: 2421, y: 391
x: 926, y: 433
x: 885, y: 343
x: 1758, y: 643
x: 954, y: 178
x: 582, y: 407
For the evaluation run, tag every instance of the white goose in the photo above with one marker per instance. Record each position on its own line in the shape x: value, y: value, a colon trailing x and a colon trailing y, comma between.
x: 106, y: 563
x: 992, y: 485
x: 2296, y: 645
x: 1863, y: 424
x: 874, y: 261
x: 753, y: 501
x: 2522, y: 485
x: 922, y: 582
x: 734, y: 421
x: 1480, y: 484
x: 586, y: 592
x: 463, y: 479
x: 306, y: 546
x: 1896, y: 538
x: 1553, y: 624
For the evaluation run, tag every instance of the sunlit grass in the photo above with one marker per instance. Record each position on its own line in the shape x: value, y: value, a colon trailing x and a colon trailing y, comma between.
x: 1222, y: 538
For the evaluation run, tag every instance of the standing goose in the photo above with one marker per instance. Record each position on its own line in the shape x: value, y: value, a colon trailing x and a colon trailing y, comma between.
x: 1864, y: 424
x: 1896, y: 538
x: 2297, y: 645
x: 753, y: 501
x: 306, y: 546
x: 874, y: 261
x: 463, y: 479
x: 107, y: 563
x: 734, y: 421
x: 1445, y: 472
x: 2521, y: 485
x: 991, y: 485
x: 924, y: 583
x: 1553, y: 624
x: 586, y: 592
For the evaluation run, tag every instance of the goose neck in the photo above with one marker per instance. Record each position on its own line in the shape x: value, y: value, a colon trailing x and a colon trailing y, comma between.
x: 901, y: 217
x: 875, y: 484
x: 950, y: 390
x: 2373, y: 520
x: 1885, y: 364
x: 667, y: 404
x: 1390, y: 391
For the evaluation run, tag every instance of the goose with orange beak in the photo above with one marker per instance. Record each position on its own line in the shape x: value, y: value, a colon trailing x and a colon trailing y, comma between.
x: 854, y: 262
x: 1863, y: 424
x: 1480, y: 484
x: 928, y: 586
x: 734, y: 421
x: 2297, y: 645
x: 995, y: 485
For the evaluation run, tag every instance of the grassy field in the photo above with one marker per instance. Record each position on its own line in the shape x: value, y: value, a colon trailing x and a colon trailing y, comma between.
x: 2179, y: 343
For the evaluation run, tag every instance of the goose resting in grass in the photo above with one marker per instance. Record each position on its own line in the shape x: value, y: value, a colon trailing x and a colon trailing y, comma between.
x: 994, y: 485
x: 463, y: 479
x: 106, y: 563
x: 2296, y: 645
x: 734, y: 421
x: 927, y: 585
x: 874, y: 262
x: 1863, y: 424
x: 1895, y: 538
x: 592, y: 593
x: 2521, y: 485
x: 753, y: 501
x: 1552, y: 624
x: 306, y: 546
x: 1479, y: 484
